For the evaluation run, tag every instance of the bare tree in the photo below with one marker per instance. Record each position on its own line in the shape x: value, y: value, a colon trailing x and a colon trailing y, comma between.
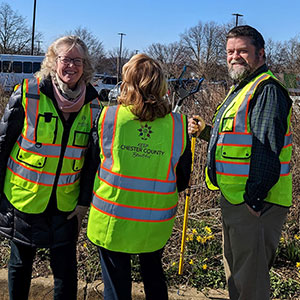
x: 94, y: 45
x: 205, y: 44
x: 276, y: 55
x: 283, y: 57
x: 172, y: 57
x: 15, y: 34
x: 293, y: 55
x: 270, y: 51
x: 112, y: 58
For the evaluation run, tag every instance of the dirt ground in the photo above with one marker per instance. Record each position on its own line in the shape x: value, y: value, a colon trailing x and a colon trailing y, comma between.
x: 42, y: 289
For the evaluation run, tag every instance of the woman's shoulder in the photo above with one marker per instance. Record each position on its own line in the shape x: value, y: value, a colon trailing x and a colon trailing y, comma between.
x: 91, y: 93
x: 45, y: 85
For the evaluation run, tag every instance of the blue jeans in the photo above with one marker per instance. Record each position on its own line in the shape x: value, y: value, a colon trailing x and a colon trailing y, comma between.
x: 63, y: 264
x: 116, y: 273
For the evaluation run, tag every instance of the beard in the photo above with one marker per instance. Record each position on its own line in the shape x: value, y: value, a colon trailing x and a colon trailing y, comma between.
x: 240, y: 73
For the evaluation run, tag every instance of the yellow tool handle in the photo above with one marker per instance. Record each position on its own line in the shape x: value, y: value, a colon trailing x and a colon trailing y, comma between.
x: 183, y: 239
x: 186, y: 210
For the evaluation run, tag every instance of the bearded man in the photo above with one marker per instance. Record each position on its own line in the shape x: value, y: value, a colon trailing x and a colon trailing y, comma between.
x: 248, y: 160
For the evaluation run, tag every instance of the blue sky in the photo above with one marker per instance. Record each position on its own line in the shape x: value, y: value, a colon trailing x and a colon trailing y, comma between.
x: 158, y: 21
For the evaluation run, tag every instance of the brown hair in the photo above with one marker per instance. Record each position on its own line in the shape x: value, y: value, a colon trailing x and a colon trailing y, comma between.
x: 144, y: 87
x: 257, y: 39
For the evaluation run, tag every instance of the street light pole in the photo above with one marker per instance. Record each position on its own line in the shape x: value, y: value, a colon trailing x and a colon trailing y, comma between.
x: 237, y: 18
x: 33, y: 25
x: 119, y: 64
x: 38, y: 47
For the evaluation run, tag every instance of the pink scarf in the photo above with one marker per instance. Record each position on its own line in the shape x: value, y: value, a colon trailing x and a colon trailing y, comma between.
x: 68, y: 106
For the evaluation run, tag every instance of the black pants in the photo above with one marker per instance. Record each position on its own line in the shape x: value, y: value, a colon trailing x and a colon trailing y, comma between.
x: 116, y: 273
x: 63, y: 264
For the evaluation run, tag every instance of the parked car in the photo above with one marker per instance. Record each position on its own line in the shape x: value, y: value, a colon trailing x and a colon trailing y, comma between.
x: 103, y: 84
x: 114, y: 94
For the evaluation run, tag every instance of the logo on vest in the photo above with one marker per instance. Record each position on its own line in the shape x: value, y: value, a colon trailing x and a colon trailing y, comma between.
x: 145, y: 132
x: 84, y: 123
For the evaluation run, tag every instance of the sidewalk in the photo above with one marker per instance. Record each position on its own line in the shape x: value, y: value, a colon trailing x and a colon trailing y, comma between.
x: 41, y: 289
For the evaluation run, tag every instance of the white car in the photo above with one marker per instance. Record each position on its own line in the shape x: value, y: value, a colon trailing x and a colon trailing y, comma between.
x: 114, y: 94
x: 103, y: 84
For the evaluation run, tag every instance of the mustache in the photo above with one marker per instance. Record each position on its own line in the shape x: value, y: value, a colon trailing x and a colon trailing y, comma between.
x: 238, y: 61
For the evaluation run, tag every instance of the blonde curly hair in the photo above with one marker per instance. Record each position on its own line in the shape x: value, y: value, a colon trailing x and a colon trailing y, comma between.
x: 48, y: 67
x: 144, y: 87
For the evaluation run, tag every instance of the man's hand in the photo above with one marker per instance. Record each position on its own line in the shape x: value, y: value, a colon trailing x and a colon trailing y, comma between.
x: 253, y: 212
x: 196, y: 127
x: 79, y: 212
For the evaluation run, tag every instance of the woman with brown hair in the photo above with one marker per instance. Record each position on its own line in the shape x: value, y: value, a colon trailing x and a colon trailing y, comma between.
x: 144, y: 159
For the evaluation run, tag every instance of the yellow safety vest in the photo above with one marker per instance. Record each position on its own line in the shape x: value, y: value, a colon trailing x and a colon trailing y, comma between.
x: 135, y: 195
x: 233, y: 151
x: 35, y: 160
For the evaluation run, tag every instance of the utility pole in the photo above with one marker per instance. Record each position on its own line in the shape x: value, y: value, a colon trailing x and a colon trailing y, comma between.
x: 33, y: 25
x: 119, y: 63
x: 237, y: 18
x: 38, y: 47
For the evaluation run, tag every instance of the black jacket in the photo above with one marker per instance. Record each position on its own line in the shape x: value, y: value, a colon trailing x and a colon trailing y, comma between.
x: 50, y: 228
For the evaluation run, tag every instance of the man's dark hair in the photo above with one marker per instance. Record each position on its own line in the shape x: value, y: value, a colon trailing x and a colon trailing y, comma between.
x: 245, y: 30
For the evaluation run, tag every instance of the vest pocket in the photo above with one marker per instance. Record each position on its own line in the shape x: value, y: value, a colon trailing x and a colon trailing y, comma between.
x: 81, y: 139
x: 227, y: 124
x: 236, y: 152
x: 78, y: 164
x: 46, y: 129
x: 23, y: 184
x: 31, y: 159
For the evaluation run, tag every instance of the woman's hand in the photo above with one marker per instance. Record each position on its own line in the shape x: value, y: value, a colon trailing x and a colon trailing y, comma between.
x: 196, y: 125
x: 79, y: 212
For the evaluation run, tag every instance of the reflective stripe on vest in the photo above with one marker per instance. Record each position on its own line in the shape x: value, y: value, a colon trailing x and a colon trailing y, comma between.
x: 94, y: 108
x: 43, y: 178
x: 244, y: 139
x: 233, y: 151
x: 31, y: 108
x: 50, y: 150
x: 107, y: 134
x: 137, y: 184
x: 240, y: 168
x: 128, y: 212
x: 240, y: 120
x: 31, y: 115
x: 135, y: 214
x: 36, y: 163
x: 240, y: 137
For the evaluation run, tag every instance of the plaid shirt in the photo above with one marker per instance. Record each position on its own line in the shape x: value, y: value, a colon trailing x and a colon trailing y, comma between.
x: 268, y: 113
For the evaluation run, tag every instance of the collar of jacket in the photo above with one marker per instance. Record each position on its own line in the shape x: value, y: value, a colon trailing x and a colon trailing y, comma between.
x: 46, y: 88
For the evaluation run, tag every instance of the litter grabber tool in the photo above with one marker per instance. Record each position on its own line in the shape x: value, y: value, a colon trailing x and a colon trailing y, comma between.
x: 184, y: 87
x: 186, y: 209
x: 184, y: 92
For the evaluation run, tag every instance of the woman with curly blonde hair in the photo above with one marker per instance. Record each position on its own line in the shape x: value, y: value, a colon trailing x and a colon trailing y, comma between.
x: 144, y: 158
x: 43, y: 144
x: 48, y: 66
